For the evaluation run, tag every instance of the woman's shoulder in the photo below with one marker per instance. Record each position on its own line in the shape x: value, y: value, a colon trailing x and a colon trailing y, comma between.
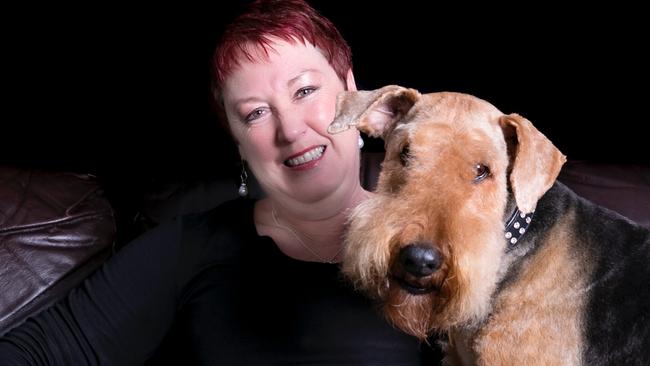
x: 222, y: 231
x: 233, y: 214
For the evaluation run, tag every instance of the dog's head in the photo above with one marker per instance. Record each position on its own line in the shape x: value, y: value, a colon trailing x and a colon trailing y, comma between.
x: 429, y: 245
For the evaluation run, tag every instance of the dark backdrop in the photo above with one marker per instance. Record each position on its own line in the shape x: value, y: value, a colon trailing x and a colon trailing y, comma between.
x: 124, y: 92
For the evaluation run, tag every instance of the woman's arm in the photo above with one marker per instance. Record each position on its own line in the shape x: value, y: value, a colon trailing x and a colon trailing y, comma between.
x: 117, y: 316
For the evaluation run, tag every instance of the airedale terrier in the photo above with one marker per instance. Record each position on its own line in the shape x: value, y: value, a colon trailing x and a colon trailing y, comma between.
x: 469, y: 235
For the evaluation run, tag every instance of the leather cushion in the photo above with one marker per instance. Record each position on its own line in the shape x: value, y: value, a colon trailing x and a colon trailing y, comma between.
x: 55, y: 229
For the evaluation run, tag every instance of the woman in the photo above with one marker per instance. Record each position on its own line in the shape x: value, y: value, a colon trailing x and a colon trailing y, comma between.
x: 250, y: 282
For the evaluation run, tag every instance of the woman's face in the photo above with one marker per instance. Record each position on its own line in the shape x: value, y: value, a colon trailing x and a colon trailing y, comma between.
x: 278, y: 110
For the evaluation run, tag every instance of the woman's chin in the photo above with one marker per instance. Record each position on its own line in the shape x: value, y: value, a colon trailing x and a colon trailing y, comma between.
x: 312, y: 194
x: 327, y: 188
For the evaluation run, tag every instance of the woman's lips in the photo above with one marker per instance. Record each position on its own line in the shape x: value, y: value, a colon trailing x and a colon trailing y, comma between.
x: 305, y: 158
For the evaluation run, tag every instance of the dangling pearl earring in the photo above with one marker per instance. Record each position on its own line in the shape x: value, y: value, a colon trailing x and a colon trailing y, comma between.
x: 360, y: 142
x: 243, y: 187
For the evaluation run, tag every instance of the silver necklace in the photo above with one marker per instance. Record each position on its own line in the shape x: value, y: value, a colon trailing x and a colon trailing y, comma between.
x: 295, y: 234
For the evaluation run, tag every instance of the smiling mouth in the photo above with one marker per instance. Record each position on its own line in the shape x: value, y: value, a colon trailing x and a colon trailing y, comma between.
x: 306, y: 157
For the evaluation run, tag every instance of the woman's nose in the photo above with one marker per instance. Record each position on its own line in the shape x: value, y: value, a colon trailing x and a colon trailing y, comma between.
x: 289, y: 129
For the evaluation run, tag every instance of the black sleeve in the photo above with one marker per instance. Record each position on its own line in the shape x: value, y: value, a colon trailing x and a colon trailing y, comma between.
x: 117, y: 316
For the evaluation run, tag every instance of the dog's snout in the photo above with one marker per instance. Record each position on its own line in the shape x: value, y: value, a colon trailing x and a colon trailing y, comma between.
x: 420, y: 259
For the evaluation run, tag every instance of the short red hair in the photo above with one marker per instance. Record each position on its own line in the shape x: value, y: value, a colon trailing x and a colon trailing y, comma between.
x: 290, y: 20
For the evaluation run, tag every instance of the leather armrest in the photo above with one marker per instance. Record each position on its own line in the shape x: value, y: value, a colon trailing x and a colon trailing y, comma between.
x: 55, y: 229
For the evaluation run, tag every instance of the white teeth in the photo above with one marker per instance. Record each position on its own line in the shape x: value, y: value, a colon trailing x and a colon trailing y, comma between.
x: 310, y: 155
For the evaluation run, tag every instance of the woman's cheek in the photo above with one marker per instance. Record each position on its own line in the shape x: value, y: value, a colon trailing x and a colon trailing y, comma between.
x: 323, y: 112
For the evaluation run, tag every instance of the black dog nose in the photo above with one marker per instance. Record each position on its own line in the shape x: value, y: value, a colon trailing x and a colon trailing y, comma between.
x: 420, y: 259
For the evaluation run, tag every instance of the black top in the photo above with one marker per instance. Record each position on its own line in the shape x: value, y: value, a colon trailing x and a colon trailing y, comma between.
x: 207, y: 290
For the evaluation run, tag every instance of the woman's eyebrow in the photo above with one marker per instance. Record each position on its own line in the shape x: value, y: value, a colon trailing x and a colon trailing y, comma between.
x: 241, y: 101
x: 300, y: 74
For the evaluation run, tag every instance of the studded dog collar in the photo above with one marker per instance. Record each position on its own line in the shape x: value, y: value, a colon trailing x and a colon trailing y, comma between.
x: 517, y: 225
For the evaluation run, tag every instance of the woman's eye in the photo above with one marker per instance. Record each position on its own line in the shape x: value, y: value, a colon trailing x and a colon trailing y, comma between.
x: 405, y: 154
x: 303, y: 92
x: 257, y: 113
x: 481, y: 172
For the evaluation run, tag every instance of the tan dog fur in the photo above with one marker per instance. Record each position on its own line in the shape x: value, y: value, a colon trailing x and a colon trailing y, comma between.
x: 429, y: 193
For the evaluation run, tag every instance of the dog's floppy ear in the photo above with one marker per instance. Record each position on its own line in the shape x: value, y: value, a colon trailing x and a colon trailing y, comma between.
x: 373, y: 112
x: 534, y: 161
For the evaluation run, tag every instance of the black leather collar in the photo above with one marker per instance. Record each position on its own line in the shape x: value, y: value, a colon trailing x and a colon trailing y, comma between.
x: 517, y: 225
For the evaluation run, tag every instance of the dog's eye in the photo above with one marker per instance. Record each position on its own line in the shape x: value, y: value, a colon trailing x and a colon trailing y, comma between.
x: 405, y: 154
x: 481, y: 171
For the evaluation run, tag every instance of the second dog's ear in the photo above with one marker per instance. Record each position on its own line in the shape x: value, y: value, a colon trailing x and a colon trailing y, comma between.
x: 535, y: 162
x: 373, y: 112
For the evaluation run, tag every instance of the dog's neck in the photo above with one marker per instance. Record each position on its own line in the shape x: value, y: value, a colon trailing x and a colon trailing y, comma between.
x: 461, y: 338
x: 515, y: 250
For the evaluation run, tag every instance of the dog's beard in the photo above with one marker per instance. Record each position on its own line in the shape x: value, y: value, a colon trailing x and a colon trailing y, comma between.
x: 461, y: 289
x: 441, y: 309
x: 411, y: 313
x: 366, y: 257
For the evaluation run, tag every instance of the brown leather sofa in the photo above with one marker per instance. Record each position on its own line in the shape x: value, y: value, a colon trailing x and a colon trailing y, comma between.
x: 624, y: 188
x: 56, y: 228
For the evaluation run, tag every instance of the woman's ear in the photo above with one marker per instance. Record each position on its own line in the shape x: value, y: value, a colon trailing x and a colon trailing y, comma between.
x: 349, y: 81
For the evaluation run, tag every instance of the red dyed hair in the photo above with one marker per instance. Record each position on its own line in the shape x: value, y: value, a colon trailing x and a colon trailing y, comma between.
x: 289, y: 20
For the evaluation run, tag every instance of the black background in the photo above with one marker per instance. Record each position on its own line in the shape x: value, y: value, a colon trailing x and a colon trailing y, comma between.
x: 124, y: 92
